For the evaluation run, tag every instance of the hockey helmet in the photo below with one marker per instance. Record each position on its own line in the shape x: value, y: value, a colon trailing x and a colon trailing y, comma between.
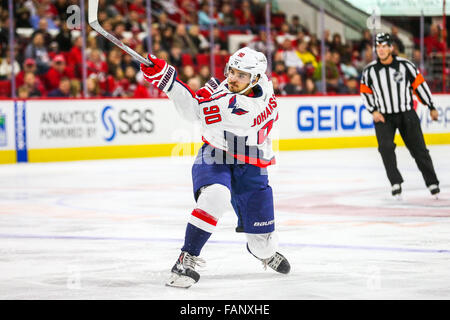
x: 383, y: 38
x: 250, y: 61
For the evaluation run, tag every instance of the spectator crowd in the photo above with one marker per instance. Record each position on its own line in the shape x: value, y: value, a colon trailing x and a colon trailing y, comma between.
x: 48, y: 59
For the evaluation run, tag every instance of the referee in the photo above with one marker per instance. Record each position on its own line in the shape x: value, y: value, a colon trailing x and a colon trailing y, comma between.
x: 387, y: 86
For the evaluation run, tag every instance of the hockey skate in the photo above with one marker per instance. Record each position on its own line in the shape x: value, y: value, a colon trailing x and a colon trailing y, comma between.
x: 276, y: 262
x: 397, y: 191
x: 183, y: 272
x: 434, y: 190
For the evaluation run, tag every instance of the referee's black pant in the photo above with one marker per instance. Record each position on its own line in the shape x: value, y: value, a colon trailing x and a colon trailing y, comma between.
x: 408, y: 124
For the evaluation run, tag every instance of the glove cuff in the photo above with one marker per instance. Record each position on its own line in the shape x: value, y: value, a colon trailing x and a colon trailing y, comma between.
x: 167, y: 80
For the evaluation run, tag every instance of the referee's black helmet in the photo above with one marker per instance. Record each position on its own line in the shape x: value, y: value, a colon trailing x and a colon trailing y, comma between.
x: 383, y: 38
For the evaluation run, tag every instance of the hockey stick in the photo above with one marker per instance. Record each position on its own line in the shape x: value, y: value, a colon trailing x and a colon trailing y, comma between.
x: 93, y: 22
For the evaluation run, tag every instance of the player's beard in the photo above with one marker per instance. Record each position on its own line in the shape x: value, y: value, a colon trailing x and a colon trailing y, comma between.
x: 233, y: 87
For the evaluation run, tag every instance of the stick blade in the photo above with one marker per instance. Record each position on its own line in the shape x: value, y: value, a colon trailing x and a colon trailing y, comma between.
x: 92, y: 10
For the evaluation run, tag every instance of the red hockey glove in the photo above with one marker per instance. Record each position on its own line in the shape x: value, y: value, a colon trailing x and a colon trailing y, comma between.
x: 161, y: 74
x: 206, y: 91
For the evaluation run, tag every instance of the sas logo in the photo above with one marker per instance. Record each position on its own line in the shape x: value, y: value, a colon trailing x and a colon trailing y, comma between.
x: 241, y: 55
x: 108, y: 123
x: 126, y: 121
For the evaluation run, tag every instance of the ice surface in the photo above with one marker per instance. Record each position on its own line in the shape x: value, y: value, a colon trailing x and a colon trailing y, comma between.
x: 112, y: 229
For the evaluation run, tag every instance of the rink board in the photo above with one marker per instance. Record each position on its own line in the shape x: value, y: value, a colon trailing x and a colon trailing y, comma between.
x: 87, y: 129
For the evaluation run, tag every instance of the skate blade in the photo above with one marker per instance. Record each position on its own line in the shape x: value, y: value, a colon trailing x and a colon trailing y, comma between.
x: 179, y: 281
x: 398, y: 197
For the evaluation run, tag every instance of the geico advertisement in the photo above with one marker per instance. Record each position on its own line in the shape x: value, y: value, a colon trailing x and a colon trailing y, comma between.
x: 77, y: 123
x: 7, y: 125
x: 345, y: 116
x: 442, y: 104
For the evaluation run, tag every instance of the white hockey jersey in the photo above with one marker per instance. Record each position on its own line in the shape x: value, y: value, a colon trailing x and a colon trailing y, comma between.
x: 240, y: 125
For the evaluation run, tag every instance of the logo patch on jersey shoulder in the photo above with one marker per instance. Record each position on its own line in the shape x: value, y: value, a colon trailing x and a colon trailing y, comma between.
x: 236, y: 110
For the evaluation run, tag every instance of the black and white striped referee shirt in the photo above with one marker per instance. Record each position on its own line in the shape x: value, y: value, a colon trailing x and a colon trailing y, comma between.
x: 389, y: 88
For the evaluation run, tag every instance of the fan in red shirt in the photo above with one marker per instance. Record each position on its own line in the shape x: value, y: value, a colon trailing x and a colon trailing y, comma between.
x: 75, y: 57
x: 58, y: 70
x: 28, y: 66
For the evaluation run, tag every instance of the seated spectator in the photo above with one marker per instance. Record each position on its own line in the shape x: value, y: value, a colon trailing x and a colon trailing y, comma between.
x: 189, y: 11
x: 118, y: 8
x: 336, y: 59
x: 397, y: 41
x: 102, y: 43
x: 137, y: 10
x: 128, y: 61
x: 29, y: 65
x: 194, y: 83
x: 200, y: 42
x: 351, y: 86
x: 93, y: 87
x: 75, y: 88
x: 276, y: 87
x: 226, y: 16
x: 58, y: 70
x: 175, y: 55
x: 134, y: 88
x: 306, y: 56
x: 74, y: 58
x: 294, y: 87
x: 6, y: 68
x: 95, y: 64
x: 23, y: 18
x: 365, y: 41
x: 167, y: 35
x: 205, y: 74
x: 37, y: 51
x: 43, y: 28
x: 22, y: 92
x: 182, y: 39
x: 164, y: 23
x: 186, y: 73
x: 34, y: 85
x: 289, y: 55
x: 41, y: 17
x: 114, y: 61
x: 220, y: 42
x: 203, y: 15
x: 331, y: 74
x: 244, y: 15
x: 119, y: 83
x: 433, y: 42
x: 63, y: 90
x: 347, y: 68
x: 367, y: 57
x: 295, y: 26
x: 259, y: 43
x: 337, y: 45
x: 310, y: 87
x: 284, y: 29
x: 280, y: 74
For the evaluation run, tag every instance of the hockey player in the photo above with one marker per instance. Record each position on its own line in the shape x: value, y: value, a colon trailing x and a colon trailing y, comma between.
x: 237, y: 117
